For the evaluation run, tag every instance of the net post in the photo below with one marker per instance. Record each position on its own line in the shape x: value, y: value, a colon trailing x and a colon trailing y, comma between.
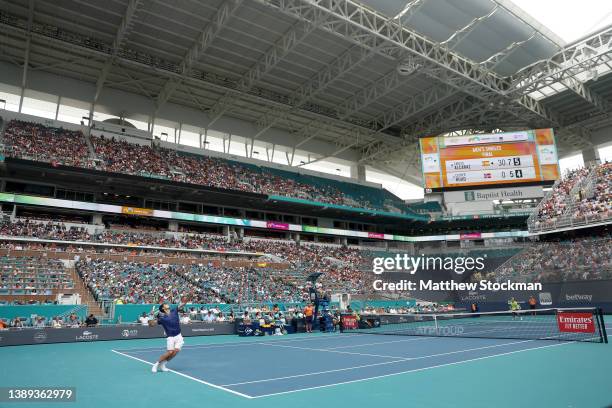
x: 556, y: 310
x: 602, y: 324
x: 436, y: 324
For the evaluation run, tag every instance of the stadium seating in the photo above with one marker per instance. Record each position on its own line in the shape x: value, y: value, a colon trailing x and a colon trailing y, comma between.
x: 49, y: 230
x: 595, y: 200
x: 578, y: 259
x: 33, y: 141
x: 581, y: 196
x: 240, y: 285
x: 342, y: 266
x: 32, y: 276
x: 37, y: 142
x: 134, y: 282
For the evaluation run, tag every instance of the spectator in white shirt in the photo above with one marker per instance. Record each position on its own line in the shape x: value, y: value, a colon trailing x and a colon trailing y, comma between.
x: 40, y: 322
x: 185, y: 318
x: 210, y: 317
x: 144, y: 319
x: 56, y: 323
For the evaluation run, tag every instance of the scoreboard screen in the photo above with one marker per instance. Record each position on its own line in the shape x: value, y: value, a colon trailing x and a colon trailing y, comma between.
x: 511, y: 158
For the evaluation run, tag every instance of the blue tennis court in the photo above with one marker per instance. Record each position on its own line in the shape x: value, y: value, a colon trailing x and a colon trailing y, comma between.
x: 257, y: 369
x: 303, y: 370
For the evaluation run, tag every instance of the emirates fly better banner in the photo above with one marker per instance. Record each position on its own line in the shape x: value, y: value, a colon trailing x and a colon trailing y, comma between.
x: 575, y: 322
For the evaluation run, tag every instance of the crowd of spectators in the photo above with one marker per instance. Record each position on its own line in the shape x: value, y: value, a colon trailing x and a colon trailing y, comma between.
x: 60, y: 146
x: 56, y: 322
x: 343, y: 267
x: 133, y: 282
x: 32, y: 275
x: 555, y: 204
x: 119, y: 156
x: 417, y: 308
x: 43, y: 230
x: 243, y: 284
x: 66, y: 147
x: 577, y: 259
x: 596, y: 203
x: 215, y: 172
x: 123, y: 157
x: 137, y: 282
x: 47, y: 144
x: 59, y: 231
x: 575, y: 199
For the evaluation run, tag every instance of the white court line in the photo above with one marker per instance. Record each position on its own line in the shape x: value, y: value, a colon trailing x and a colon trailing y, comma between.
x: 399, y: 360
x: 330, y: 351
x: 413, y: 338
x: 408, y: 371
x: 237, y: 343
x: 189, y: 377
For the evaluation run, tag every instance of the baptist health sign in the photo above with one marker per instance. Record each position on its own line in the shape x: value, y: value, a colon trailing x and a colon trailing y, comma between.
x: 493, y: 194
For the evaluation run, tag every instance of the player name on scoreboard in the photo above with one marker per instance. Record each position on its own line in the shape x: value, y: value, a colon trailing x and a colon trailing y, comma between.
x: 467, y: 177
x: 489, y: 163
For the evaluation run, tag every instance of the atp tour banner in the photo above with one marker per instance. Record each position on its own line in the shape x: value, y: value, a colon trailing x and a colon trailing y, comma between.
x: 18, y: 337
x: 511, y: 158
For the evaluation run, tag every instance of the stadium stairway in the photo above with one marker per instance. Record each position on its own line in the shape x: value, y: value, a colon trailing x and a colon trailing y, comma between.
x: 86, y: 296
x: 90, y: 147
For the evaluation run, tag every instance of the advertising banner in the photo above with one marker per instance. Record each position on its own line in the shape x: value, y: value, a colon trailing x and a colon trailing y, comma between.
x: 572, y: 322
x: 16, y: 337
x: 511, y: 193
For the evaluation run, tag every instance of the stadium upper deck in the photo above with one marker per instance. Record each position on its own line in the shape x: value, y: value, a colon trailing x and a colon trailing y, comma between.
x: 348, y: 80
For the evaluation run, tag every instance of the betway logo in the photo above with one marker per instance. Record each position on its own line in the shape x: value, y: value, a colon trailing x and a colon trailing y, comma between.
x: 574, y: 298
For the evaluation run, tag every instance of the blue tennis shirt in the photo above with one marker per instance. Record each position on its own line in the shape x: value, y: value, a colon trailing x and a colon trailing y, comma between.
x: 170, y: 323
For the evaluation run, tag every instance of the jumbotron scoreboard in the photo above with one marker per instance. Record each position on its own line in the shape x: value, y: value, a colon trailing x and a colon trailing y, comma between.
x: 526, y: 157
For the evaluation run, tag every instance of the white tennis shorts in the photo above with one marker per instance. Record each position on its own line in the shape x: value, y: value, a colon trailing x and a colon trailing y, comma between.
x: 175, y: 342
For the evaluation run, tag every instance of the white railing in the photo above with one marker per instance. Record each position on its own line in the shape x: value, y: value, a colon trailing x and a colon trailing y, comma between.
x: 571, y: 221
x: 567, y: 219
x: 534, y: 215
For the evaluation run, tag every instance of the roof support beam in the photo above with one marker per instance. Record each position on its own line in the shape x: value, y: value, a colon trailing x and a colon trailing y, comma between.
x: 494, y: 60
x: 358, y: 101
x: 379, y: 88
x: 333, y: 154
x: 404, y: 175
x: 454, y: 40
x: 564, y: 68
x: 331, y: 123
x: 409, y: 10
x: 359, y: 24
x: 415, y: 105
x: 26, y: 62
x: 287, y: 43
x: 198, y: 49
x: 321, y: 80
x: 122, y: 31
x: 371, y: 93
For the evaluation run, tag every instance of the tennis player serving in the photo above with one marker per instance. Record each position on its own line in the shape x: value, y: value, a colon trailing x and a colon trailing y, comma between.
x: 169, y: 320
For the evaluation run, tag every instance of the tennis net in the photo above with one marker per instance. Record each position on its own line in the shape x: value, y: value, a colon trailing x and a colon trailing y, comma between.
x: 563, y: 324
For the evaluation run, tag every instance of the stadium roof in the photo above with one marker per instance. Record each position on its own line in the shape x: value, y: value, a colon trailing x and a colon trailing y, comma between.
x: 369, y: 76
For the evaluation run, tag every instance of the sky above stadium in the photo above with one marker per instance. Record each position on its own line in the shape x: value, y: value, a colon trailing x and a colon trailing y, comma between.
x: 570, y: 20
